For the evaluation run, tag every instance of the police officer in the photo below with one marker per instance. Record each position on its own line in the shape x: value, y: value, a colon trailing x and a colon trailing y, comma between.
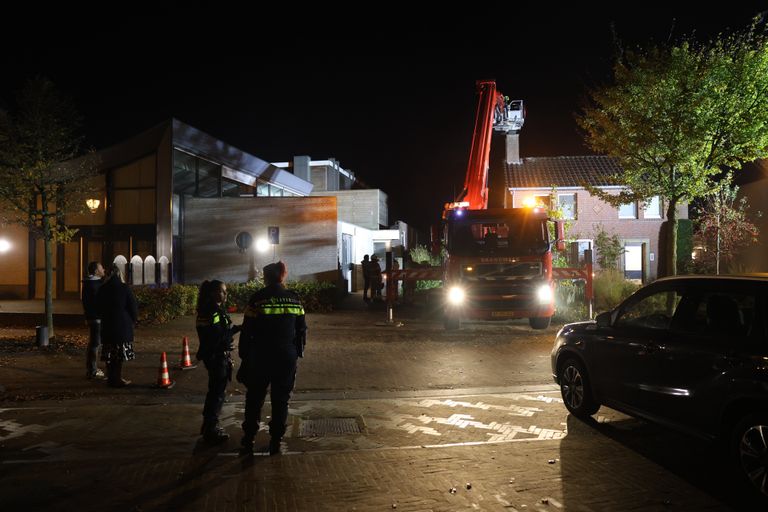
x: 215, y: 330
x: 274, y: 334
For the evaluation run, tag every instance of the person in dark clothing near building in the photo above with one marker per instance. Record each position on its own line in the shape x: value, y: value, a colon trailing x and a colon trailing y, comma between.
x: 118, y: 310
x: 377, y: 278
x: 273, y: 338
x: 366, y: 264
x: 215, y: 330
x: 91, y: 285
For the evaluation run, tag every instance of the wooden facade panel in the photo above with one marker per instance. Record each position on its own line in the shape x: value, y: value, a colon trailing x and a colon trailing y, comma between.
x: 308, y: 236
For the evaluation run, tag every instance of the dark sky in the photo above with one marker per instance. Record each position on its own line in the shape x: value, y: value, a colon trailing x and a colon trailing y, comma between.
x: 392, y: 97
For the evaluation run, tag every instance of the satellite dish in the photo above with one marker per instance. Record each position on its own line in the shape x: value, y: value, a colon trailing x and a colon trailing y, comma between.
x: 243, y: 240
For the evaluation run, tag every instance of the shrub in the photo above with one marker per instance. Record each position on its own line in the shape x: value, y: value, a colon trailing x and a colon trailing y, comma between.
x: 239, y: 293
x: 609, y: 248
x: 420, y: 255
x: 569, y: 302
x: 610, y: 288
x: 315, y: 296
x: 159, y: 305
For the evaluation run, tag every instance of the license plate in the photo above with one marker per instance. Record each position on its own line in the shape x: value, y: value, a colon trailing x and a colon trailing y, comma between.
x: 502, y: 314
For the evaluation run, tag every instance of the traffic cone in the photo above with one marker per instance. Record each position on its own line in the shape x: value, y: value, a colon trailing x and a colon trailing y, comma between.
x: 163, y: 379
x: 186, y: 361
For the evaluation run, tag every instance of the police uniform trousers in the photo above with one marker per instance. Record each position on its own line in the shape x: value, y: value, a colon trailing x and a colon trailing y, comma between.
x: 219, y: 373
x: 276, y: 371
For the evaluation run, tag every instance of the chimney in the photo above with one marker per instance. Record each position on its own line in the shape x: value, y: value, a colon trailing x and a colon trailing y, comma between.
x: 513, y: 147
x: 301, y: 167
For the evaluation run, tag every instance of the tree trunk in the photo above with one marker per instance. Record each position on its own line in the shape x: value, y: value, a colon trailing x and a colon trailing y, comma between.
x: 717, y: 244
x: 48, y: 269
x: 671, y: 236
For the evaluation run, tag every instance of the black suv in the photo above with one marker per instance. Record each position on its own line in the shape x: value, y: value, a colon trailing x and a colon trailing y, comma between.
x: 688, y: 352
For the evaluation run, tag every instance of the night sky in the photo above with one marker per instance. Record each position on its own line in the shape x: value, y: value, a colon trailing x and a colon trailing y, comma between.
x: 391, y: 97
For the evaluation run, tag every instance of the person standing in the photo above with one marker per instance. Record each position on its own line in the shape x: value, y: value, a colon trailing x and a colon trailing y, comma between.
x: 273, y: 338
x: 91, y: 286
x: 215, y: 331
x: 118, y: 311
x: 377, y: 279
x: 366, y: 276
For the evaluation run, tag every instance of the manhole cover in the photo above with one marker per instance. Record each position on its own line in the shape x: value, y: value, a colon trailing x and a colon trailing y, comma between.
x: 329, y: 426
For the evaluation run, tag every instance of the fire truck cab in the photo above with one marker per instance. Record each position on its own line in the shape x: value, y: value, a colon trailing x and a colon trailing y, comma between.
x: 498, y: 266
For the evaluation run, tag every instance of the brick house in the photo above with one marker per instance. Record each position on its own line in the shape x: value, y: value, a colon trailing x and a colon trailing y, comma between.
x: 638, y: 225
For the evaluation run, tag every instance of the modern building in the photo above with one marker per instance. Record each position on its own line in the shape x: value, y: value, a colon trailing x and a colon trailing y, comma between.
x: 362, y: 212
x: 169, y: 203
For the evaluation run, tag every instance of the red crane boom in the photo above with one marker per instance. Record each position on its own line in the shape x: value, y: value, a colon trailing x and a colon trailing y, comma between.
x: 490, y: 105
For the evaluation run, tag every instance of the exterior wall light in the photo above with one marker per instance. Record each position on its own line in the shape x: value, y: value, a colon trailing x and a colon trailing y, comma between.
x: 262, y: 245
x: 5, y: 245
x: 92, y: 204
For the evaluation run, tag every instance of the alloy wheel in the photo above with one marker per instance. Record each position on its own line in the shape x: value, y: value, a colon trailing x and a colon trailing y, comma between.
x: 753, y: 454
x: 572, y: 387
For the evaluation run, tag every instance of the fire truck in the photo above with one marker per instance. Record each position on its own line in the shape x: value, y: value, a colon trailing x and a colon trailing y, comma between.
x: 499, y: 260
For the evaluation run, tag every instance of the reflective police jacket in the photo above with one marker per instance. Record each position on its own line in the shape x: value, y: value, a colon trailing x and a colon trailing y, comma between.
x: 214, y: 328
x: 273, y: 323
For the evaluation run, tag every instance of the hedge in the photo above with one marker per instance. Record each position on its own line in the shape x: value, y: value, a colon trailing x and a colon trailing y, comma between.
x: 160, y: 305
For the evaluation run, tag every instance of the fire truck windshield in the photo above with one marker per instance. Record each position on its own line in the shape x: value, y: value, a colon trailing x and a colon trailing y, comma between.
x: 511, y: 236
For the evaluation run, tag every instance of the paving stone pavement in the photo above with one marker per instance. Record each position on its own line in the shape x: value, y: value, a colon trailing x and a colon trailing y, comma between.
x: 505, y: 451
x: 435, y: 411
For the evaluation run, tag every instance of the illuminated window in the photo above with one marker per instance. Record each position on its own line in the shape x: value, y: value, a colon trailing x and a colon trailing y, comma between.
x: 543, y: 200
x: 567, y: 203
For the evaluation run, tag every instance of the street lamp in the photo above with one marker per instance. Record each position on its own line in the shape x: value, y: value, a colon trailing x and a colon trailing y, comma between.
x: 92, y: 204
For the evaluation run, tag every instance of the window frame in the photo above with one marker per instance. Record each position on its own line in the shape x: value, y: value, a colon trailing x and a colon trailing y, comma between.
x: 574, y: 211
x: 634, y: 210
x: 648, y: 213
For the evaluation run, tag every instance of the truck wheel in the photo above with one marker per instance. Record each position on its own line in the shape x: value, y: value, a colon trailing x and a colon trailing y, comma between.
x: 540, y: 322
x: 451, y: 323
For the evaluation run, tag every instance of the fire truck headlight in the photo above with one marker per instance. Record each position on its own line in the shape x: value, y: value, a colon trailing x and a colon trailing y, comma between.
x: 456, y: 295
x: 544, y: 294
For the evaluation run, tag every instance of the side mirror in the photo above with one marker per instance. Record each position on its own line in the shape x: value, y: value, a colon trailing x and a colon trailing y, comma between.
x: 603, y: 319
x: 559, y: 235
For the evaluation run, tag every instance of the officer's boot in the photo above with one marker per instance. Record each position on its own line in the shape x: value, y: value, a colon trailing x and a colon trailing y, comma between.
x: 274, y: 445
x: 246, y: 445
x: 213, y: 433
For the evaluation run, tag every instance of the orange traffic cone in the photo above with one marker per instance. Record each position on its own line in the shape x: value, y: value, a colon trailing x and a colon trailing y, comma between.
x: 163, y: 379
x: 186, y: 361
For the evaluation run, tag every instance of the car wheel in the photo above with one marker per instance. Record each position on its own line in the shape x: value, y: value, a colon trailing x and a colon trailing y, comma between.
x: 576, y: 389
x: 749, y: 449
x: 541, y: 322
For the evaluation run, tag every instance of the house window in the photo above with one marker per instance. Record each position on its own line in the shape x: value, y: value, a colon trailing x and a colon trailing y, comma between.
x: 652, y: 208
x: 576, y: 250
x: 567, y: 203
x: 628, y: 211
x: 543, y: 200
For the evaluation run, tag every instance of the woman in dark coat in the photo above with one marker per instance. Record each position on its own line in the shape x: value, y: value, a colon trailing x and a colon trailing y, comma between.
x: 118, y: 311
x: 215, y: 330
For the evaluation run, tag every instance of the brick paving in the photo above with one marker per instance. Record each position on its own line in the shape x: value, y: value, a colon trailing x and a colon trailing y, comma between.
x: 437, y: 410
